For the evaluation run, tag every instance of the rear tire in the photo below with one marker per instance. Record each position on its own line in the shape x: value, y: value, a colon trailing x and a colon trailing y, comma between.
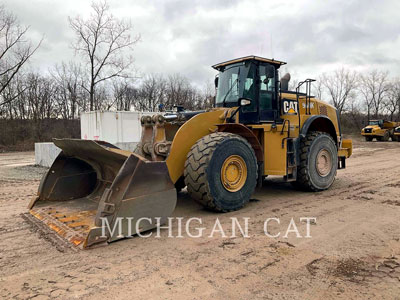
x: 206, y: 171
x: 318, y: 162
x: 385, y: 138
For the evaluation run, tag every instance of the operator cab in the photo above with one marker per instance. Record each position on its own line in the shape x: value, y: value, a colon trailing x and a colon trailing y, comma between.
x: 253, y: 79
x: 376, y: 123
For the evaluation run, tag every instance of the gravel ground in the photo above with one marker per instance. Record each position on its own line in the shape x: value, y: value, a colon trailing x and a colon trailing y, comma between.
x: 354, y: 251
x: 20, y: 166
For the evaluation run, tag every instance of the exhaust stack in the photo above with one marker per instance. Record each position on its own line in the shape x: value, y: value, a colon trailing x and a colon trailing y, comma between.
x: 285, y: 82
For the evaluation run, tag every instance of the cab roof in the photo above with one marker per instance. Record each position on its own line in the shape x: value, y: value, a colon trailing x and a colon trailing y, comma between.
x: 251, y: 57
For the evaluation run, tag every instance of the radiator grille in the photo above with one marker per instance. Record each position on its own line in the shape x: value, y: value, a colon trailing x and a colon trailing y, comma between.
x: 323, y: 110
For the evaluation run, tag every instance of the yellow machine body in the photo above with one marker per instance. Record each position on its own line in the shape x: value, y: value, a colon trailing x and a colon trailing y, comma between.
x: 380, y: 129
x: 272, y: 137
x: 93, y: 184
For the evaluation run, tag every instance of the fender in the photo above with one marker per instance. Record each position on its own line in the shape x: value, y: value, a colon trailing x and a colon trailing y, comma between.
x: 329, y: 128
x: 245, y: 132
x: 187, y: 135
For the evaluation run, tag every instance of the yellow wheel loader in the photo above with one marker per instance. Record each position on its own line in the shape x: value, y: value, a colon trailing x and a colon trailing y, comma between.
x: 256, y: 128
x: 381, y: 130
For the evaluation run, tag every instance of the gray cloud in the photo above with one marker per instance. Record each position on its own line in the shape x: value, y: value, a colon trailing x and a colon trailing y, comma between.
x: 189, y: 36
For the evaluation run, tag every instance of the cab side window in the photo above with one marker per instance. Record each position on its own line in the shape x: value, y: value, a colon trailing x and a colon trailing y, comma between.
x: 267, y: 87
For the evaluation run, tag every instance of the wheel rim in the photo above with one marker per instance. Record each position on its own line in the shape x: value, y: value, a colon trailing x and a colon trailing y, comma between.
x: 324, y: 162
x: 233, y: 173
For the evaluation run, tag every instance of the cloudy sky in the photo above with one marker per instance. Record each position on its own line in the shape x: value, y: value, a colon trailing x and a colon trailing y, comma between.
x: 190, y: 36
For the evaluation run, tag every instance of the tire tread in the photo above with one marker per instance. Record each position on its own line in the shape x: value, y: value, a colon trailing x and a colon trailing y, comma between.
x: 303, y: 178
x: 196, y: 165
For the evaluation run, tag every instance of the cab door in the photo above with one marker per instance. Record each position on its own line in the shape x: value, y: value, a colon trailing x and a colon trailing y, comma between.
x: 268, y: 106
x: 249, y: 85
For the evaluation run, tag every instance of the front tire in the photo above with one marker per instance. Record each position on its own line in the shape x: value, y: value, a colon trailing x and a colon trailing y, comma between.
x: 221, y: 171
x: 318, y: 162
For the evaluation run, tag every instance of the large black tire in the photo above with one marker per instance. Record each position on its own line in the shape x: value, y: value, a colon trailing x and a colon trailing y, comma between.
x: 386, y: 136
x: 308, y: 176
x: 203, y: 171
x: 368, y: 138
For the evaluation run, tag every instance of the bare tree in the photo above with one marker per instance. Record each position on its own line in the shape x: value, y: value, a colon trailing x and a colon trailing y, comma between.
x: 319, y: 88
x: 293, y: 83
x: 103, y: 41
x: 366, y: 97
x: 124, y: 95
x: 340, y: 86
x: 15, y: 50
x: 396, y: 88
x: 179, y: 91
x: 374, y: 86
x: 392, y: 99
x: 152, y: 93
x: 39, y: 96
x: 69, y: 94
x: 207, y: 96
x: 357, y: 117
x: 12, y: 105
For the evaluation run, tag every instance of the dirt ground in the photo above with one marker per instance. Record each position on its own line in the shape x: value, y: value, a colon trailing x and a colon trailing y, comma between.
x: 354, y: 251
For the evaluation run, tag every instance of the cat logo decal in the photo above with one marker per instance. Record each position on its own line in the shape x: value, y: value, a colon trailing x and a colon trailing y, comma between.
x: 290, y: 107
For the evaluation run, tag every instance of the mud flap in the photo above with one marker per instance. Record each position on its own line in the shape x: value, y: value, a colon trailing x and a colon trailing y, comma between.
x: 94, y: 194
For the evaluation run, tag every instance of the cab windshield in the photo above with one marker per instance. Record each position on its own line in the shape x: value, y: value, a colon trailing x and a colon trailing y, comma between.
x: 234, y: 82
x: 375, y: 122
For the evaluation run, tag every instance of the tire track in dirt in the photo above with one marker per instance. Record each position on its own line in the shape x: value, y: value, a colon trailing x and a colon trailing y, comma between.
x: 221, y: 268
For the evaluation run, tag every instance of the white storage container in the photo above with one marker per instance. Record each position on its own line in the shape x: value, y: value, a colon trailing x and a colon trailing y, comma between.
x: 121, y: 128
x: 113, y: 127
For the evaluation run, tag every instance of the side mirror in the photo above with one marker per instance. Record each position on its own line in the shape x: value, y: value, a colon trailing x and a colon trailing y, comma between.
x: 216, y: 82
x: 244, y: 101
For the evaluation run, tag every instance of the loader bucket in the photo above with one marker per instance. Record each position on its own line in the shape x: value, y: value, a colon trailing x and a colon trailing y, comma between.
x: 96, y: 193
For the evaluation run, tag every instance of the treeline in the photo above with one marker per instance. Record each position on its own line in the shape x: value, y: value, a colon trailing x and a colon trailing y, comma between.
x: 44, y: 106
x: 360, y: 96
x: 60, y: 94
